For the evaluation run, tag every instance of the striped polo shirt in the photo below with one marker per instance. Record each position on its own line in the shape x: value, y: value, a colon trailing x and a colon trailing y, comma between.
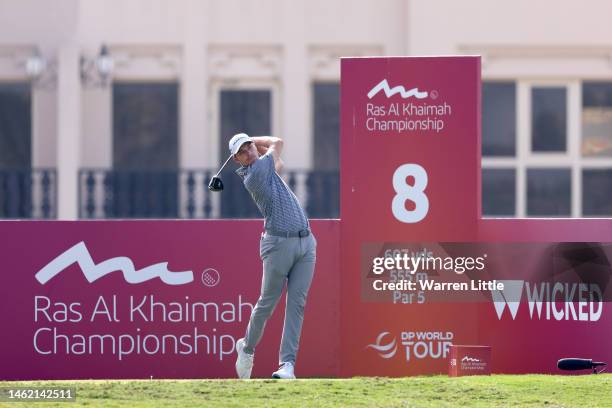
x: 280, y: 208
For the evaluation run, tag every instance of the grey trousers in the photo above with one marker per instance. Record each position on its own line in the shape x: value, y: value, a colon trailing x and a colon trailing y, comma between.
x: 290, y: 260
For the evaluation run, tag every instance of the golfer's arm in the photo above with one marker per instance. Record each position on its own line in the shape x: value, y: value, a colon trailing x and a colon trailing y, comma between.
x: 275, y: 145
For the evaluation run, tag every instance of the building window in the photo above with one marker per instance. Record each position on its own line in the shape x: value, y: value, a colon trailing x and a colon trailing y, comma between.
x: 596, y: 119
x: 597, y: 192
x: 144, y: 180
x: 326, y: 118
x: 499, y: 148
x: 145, y: 125
x: 15, y: 150
x: 15, y: 125
x: 324, y: 179
x: 498, y: 192
x: 499, y: 119
x: 563, y: 161
x: 548, y: 192
x: 548, y: 119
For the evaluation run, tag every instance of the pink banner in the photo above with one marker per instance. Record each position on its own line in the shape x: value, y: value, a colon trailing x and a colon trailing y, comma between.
x: 410, y: 174
x: 140, y: 299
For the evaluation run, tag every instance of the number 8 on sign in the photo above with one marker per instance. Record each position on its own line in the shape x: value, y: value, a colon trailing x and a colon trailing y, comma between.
x: 405, y: 191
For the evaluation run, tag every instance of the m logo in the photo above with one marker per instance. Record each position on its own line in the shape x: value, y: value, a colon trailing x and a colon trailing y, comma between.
x: 384, y: 350
x: 389, y: 92
x: 467, y: 359
x: 80, y: 255
x: 510, y: 295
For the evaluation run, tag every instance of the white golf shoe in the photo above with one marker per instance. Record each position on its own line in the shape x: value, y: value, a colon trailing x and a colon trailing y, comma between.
x: 285, y: 371
x: 244, y: 362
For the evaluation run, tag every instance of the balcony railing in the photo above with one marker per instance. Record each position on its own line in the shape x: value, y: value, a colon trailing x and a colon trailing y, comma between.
x: 105, y: 194
x: 28, y: 193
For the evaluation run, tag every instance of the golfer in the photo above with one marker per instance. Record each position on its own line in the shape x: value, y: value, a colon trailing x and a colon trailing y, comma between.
x: 287, y: 249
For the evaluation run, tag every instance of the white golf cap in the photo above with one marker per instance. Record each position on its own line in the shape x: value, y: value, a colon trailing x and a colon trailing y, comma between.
x: 237, y: 140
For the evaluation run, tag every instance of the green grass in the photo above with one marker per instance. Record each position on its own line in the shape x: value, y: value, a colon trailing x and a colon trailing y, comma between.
x: 433, y: 391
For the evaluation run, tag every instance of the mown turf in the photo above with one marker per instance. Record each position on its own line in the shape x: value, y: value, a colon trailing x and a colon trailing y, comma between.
x: 432, y: 391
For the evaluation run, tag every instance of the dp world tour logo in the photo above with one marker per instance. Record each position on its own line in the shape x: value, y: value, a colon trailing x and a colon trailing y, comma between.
x: 389, y: 92
x: 413, y: 345
x: 80, y: 255
x: 385, y: 350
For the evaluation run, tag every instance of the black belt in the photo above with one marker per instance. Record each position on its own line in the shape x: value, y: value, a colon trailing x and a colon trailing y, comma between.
x: 300, y: 234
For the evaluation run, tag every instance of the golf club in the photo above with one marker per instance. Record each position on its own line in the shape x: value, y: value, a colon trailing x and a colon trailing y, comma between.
x: 215, y: 182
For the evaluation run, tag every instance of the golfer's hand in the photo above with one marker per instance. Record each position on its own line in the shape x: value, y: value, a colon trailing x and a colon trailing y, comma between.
x: 271, y: 143
x: 261, y: 149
